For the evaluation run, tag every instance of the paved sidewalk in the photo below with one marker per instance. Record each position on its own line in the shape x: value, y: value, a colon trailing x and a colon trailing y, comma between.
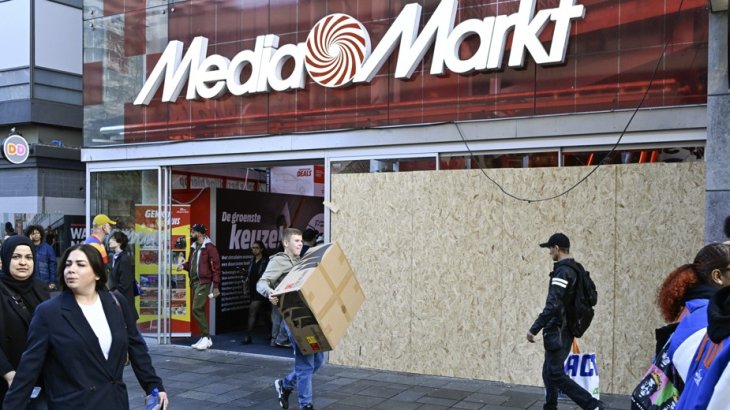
x: 216, y: 379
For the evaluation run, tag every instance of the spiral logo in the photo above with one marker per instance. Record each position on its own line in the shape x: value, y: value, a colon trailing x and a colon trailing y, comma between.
x: 336, y: 48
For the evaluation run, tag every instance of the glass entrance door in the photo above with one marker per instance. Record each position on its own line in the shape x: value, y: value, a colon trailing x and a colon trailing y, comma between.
x: 139, y: 202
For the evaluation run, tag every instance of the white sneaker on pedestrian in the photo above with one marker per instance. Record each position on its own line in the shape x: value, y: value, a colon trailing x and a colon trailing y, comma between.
x: 196, y: 344
x: 205, y: 343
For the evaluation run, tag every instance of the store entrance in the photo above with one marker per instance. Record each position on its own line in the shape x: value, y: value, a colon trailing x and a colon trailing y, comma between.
x: 244, y: 209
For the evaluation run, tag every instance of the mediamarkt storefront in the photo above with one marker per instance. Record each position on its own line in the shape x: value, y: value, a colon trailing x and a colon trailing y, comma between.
x: 189, y: 101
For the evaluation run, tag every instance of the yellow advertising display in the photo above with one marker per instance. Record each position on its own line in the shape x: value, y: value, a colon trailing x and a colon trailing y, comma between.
x: 147, y: 270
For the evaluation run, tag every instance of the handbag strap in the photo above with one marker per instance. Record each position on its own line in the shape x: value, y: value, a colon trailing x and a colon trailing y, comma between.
x: 18, y: 300
x: 121, y: 312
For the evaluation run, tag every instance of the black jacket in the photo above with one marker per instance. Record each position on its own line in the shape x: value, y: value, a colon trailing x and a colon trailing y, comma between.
x: 121, y: 279
x: 561, y: 292
x: 62, y: 344
x: 14, y: 326
x: 253, y: 277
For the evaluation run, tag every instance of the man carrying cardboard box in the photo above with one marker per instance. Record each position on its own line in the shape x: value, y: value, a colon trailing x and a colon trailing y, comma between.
x: 304, y: 365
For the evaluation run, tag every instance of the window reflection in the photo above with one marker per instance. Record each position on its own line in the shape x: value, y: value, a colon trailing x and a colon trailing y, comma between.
x: 486, y: 161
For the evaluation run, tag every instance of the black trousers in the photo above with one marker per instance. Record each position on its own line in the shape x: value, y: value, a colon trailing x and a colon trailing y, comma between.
x: 558, y: 344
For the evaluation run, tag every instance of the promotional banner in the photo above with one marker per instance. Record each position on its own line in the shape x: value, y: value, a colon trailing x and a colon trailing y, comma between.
x: 146, y: 261
x: 303, y: 180
x: 74, y: 230
x: 244, y: 217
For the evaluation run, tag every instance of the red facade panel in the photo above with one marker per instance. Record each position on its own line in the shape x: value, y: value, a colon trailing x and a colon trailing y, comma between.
x: 610, y: 58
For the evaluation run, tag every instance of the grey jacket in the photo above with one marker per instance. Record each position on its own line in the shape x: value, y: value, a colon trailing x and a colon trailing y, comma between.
x: 279, y: 266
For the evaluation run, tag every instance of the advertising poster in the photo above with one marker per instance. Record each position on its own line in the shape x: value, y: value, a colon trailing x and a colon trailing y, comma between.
x: 302, y: 180
x: 74, y: 230
x: 146, y: 263
x: 244, y: 217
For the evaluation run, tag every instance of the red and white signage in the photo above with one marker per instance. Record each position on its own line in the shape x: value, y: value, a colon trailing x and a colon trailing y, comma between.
x: 337, y: 52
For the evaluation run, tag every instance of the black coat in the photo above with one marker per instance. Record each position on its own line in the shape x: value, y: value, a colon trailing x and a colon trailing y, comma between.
x: 62, y: 344
x: 121, y: 279
x: 14, y: 325
x: 254, y: 276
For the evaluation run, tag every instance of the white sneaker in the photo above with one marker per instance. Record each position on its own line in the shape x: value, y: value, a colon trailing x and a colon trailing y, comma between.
x: 205, y: 343
x: 196, y: 344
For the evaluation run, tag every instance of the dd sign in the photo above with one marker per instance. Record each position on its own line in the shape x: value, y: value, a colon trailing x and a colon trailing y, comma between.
x: 15, y: 149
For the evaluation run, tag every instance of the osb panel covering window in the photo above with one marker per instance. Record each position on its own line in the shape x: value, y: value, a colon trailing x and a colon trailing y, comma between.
x: 454, y: 276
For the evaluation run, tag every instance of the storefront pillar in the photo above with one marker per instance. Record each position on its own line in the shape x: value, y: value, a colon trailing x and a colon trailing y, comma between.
x: 717, y: 193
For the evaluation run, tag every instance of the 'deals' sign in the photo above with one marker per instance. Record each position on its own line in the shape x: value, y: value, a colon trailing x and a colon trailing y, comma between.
x: 338, y: 52
x: 15, y: 149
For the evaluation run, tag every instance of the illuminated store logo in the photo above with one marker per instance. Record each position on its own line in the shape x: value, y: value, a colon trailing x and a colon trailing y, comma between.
x: 15, y: 149
x: 338, y: 52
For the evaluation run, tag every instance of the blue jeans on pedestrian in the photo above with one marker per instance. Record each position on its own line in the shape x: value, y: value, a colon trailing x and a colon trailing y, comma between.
x: 304, y: 367
x: 279, y: 333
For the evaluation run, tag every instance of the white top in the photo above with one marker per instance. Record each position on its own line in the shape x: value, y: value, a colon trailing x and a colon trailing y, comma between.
x: 94, y: 314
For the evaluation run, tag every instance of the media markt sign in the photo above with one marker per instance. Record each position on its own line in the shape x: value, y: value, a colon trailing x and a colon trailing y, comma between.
x: 338, y: 52
x: 15, y: 149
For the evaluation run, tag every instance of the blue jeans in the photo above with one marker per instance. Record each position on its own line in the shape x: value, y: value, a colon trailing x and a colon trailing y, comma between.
x: 279, y: 333
x: 304, y: 368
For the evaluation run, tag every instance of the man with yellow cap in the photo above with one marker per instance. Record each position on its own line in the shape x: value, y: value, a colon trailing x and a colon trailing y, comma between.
x: 101, y: 228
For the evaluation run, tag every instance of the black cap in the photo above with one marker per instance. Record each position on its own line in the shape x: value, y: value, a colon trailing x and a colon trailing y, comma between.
x: 199, y: 228
x: 310, y: 234
x: 558, y: 239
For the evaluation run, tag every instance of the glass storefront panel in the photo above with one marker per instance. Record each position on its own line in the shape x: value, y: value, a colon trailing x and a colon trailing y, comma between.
x: 132, y: 200
x: 634, y: 156
x: 364, y: 166
x: 479, y: 161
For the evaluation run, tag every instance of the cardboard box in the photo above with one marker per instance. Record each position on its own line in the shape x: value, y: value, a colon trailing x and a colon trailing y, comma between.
x: 319, y: 298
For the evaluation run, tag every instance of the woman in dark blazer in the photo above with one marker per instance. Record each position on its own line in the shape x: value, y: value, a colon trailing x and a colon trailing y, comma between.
x: 17, y: 280
x: 80, y: 341
x: 121, y: 278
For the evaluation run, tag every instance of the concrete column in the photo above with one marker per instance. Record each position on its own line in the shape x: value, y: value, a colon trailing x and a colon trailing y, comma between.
x: 717, y: 153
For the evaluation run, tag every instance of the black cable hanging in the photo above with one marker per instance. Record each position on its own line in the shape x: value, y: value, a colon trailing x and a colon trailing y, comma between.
x: 613, y: 149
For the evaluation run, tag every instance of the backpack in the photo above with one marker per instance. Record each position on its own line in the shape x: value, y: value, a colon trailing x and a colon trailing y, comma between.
x: 580, y: 312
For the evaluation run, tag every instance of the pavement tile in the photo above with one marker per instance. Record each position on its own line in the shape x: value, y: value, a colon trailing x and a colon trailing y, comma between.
x: 396, y: 405
x: 379, y: 391
x: 467, y: 405
x: 448, y: 394
x: 521, y: 402
x: 431, y: 407
x: 437, y: 400
x: 217, y: 388
x: 486, y: 398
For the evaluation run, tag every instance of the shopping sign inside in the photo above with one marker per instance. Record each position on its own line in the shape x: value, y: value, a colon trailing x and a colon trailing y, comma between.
x: 338, y: 52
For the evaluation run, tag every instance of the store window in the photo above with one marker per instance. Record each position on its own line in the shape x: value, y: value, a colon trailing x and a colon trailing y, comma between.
x: 364, y: 166
x: 519, y: 160
x: 633, y: 156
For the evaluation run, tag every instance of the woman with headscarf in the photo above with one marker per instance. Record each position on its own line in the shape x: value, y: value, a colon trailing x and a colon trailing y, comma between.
x: 20, y: 294
x: 81, y: 340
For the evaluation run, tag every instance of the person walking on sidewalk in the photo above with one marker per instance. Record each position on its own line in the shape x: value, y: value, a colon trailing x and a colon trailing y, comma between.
x: 304, y: 365
x: 557, y: 337
x: 101, y: 227
x: 45, y: 257
x: 204, y: 268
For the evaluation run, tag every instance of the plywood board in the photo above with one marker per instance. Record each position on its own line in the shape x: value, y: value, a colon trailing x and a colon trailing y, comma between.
x: 660, y: 225
x: 457, y: 295
x: 372, y: 226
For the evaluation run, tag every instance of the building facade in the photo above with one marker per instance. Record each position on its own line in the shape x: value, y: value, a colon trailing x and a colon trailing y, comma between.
x: 41, y: 99
x: 224, y: 91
